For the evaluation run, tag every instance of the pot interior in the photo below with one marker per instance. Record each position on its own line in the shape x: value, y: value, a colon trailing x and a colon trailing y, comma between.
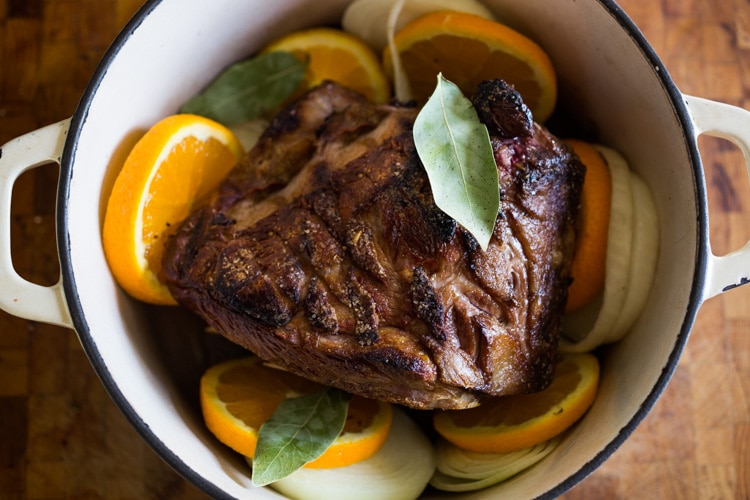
x: 612, y: 90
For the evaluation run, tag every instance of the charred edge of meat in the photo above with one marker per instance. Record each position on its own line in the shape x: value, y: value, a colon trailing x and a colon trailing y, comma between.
x: 323, y: 203
x: 444, y: 225
x: 220, y: 219
x: 320, y: 313
x: 415, y: 216
x: 288, y: 119
x: 393, y: 358
x: 361, y: 245
x: 192, y: 237
x: 469, y: 242
x: 365, y: 314
x: 243, y: 288
x: 426, y: 304
x: 351, y: 123
x: 501, y: 108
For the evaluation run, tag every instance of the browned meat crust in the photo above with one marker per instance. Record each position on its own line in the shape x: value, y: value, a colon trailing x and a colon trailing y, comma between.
x: 324, y: 253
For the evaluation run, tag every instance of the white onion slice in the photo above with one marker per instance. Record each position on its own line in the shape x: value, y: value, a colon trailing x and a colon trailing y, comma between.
x: 460, y: 470
x: 643, y: 260
x: 577, y: 337
x: 401, y: 469
x: 401, y: 85
x: 611, y: 316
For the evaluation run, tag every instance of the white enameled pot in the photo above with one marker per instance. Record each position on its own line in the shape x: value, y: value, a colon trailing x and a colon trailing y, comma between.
x: 608, y: 75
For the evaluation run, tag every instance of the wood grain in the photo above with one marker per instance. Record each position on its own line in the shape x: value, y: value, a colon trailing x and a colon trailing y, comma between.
x: 62, y: 437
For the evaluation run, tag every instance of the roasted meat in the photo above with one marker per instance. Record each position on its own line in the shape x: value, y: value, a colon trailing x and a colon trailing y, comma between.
x: 324, y: 254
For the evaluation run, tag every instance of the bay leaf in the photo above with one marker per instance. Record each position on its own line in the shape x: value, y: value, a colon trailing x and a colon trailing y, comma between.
x: 457, y: 154
x: 300, y: 430
x: 249, y: 89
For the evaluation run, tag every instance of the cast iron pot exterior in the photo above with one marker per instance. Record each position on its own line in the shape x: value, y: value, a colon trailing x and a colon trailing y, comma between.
x: 607, y: 73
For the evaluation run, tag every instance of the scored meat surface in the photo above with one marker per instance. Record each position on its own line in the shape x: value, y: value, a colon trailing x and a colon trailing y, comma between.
x: 324, y: 254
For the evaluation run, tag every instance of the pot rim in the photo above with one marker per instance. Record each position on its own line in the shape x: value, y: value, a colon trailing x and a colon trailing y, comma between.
x: 77, y: 312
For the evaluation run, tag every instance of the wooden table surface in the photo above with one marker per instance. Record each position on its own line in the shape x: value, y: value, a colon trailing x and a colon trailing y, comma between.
x: 62, y: 437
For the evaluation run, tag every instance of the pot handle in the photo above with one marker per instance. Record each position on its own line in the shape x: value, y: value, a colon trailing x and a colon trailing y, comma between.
x: 717, y: 119
x: 18, y: 296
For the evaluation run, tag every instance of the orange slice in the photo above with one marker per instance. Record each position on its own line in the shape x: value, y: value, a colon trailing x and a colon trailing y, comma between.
x: 590, y: 260
x: 512, y: 423
x: 335, y: 55
x: 468, y: 49
x: 175, y: 165
x: 238, y: 396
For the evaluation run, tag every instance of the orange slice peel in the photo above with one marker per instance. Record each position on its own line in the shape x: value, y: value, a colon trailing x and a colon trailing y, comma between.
x: 588, y: 268
x: 468, y: 49
x: 238, y: 396
x: 335, y: 55
x: 512, y: 423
